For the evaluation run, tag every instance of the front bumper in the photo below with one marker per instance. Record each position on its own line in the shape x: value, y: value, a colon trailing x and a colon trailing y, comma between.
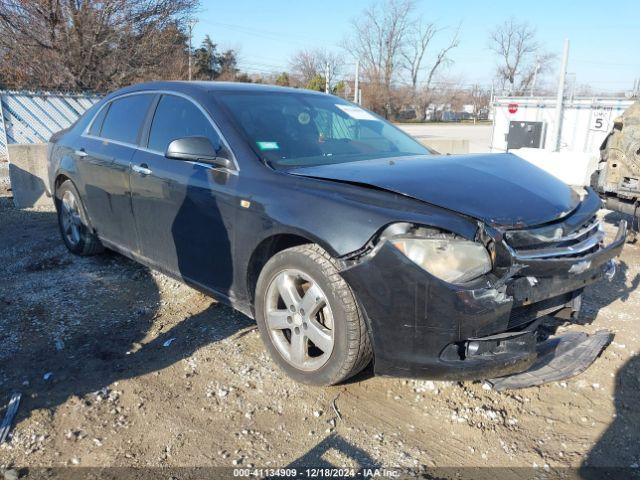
x: 424, y: 327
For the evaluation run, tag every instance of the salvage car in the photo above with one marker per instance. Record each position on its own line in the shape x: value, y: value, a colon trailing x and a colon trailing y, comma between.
x: 346, y: 239
x: 617, y: 178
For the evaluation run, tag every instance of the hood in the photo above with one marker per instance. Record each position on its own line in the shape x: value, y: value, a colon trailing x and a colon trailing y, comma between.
x: 499, y: 189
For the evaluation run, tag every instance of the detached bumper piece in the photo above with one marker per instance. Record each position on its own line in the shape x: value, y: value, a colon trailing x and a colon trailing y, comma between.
x: 559, y: 357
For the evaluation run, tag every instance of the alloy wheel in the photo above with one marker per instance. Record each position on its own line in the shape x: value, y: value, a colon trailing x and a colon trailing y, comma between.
x: 299, y: 320
x: 70, y: 218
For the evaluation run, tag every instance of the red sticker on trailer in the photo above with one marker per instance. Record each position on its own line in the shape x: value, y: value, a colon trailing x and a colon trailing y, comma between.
x: 513, y: 107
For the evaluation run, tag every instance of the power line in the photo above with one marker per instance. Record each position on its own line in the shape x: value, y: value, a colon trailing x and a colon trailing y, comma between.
x: 274, y: 36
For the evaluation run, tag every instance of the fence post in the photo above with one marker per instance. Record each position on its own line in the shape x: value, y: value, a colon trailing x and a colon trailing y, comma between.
x: 4, y: 148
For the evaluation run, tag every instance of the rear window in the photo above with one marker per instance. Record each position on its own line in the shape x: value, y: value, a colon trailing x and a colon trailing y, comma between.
x: 125, y: 117
x: 96, y: 126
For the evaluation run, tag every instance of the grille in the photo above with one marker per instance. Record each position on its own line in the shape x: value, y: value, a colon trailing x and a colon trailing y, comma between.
x: 553, y: 241
x: 525, y: 314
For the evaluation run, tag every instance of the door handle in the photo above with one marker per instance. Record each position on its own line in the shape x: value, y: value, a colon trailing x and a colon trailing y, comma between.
x: 81, y: 153
x: 141, y: 169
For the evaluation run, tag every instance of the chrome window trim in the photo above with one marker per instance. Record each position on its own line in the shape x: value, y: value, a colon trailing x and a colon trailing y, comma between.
x: 86, y: 134
x: 116, y: 142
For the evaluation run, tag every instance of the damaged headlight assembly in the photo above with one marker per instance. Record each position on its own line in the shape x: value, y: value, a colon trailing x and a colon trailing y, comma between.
x: 444, y: 255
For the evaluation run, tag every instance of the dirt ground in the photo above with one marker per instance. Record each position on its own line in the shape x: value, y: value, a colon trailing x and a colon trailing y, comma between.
x: 122, y: 366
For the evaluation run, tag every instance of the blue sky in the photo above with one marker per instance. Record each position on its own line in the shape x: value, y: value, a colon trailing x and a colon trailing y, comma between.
x: 605, y: 37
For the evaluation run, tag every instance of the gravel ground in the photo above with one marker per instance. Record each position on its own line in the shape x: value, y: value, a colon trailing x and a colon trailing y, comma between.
x: 122, y: 366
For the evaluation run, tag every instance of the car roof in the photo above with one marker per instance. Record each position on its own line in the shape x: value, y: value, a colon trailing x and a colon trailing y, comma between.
x: 193, y: 87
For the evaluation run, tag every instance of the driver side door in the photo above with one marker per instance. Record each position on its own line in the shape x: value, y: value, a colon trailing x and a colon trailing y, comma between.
x: 184, y: 210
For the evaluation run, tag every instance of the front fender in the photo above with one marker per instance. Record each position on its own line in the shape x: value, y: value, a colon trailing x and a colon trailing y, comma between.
x: 340, y: 218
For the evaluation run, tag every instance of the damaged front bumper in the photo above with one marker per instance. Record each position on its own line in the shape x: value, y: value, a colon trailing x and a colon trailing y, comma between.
x: 424, y: 327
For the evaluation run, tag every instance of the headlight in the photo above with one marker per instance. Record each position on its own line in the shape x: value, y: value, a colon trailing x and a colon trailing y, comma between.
x: 452, y: 259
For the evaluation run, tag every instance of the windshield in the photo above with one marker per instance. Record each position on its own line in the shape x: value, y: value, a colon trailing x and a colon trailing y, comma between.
x: 292, y: 130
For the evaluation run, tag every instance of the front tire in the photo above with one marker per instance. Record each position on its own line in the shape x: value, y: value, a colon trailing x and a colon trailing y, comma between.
x: 76, y: 233
x: 309, y: 319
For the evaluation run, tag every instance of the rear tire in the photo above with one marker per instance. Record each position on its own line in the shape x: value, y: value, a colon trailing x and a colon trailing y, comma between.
x: 75, y: 229
x: 327, y: 343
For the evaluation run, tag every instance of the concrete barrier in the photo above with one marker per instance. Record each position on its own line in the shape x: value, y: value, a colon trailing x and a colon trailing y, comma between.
x: 573, y: 168
x: 446, y: 145
x: 28, y: 175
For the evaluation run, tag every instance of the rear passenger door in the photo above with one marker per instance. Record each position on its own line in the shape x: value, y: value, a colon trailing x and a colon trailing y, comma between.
x: 107, y: 149
x: 184, y: 210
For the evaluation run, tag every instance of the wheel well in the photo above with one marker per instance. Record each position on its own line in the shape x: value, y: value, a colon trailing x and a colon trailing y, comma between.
x: 60, y: 179
x: 264, y: 251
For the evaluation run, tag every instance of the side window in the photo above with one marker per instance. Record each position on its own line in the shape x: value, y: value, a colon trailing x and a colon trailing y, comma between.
x: 124, y: 118
x: 96, y: 126
x: 176, y: 117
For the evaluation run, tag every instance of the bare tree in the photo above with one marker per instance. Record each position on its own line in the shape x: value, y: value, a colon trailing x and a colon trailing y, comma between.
x: 415, y: 47
x: 307, y: 65
x: 414, y: 53
x: 92, y: 44
x: 521, y: 58
x: 395, y: 45
x: 379, y: 35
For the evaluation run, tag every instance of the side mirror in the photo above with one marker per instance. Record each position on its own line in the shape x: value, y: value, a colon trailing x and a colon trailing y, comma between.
x: 198, y: 149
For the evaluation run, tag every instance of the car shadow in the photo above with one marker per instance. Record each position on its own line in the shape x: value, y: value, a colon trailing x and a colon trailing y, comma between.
x: 71, y: 326
x: 604, y: 292
x: 617, y: 453
x: 344, y: 454
x: 613, y: 218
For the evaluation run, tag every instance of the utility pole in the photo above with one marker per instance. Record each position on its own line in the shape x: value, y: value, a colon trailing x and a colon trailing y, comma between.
x: 356, y: 85
x: 560, y: 96
x: 326, y: 78
x: 192, y: 23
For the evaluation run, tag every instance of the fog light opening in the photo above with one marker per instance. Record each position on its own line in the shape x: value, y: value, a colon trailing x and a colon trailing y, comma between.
x: 472, y: 348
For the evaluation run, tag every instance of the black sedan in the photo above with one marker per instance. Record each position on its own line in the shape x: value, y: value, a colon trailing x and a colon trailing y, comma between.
x: 345, y: 239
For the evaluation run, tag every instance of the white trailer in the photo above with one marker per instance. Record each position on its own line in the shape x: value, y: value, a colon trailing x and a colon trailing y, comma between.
x: 525, y: 126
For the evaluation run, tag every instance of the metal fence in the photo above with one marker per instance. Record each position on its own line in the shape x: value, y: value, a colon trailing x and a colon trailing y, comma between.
x: 32, y: 117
